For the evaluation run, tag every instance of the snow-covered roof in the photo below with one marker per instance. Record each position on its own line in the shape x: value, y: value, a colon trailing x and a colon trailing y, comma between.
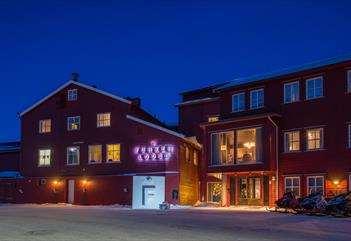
x: 10, y: 174
x: 10, y: 146
x: 78, y: 84
x: 286, y: 71
x: 196, y: 101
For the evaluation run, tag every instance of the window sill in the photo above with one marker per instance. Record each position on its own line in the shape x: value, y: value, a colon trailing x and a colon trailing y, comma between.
x: 72, y: 164
x: 313, y: 150
x: 314, y: 98
x: 239, y: 164
x: 44, y: 165
x: 291, y: 102
x: 291, y: 152
x: 113, y: 162
x: 94, y: 163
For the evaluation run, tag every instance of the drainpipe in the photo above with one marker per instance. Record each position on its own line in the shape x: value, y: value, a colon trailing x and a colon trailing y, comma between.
x: 276, y: 157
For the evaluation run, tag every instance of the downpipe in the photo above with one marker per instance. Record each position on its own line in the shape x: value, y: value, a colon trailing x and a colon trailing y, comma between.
x: 276, y: 157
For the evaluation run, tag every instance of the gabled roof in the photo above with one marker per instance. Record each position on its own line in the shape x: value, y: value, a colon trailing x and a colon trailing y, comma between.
x: 10, y: 146
x: 286, y: 71
x: 78, y: 84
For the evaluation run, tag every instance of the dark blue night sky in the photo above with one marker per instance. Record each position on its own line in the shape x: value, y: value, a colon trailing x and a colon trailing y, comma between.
x: 156, y: 49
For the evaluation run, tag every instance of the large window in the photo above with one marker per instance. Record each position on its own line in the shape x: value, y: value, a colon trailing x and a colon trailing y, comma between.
x: 95, y: 153
x: 72, y: 94
x: 292, y: 184
x: 73, y: 123
x: 291, y: 92
x: 223, y: 148
x: 256, y: 99
x: 45, y: 126
x: 315, y: 138
x: 103, y: 119
x: 113, y: 153
x: 292, y: 141
x: 314, y: 88
x: 73, y: 155
x: 214, y: 192
x: 349, y: 81
x: 44, y: 157
x: 249, y: 145
x: 238, y: 102
x: 315, y: 184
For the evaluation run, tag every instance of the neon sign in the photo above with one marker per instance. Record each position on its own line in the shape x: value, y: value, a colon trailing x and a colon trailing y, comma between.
x: 154, y: 152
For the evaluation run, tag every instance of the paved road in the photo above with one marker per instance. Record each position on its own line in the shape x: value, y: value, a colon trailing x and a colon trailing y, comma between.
x: 58, y: 223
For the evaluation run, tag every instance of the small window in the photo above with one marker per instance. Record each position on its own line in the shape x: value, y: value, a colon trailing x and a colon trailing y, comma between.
x: 213, y: 119
x: 95, y: 153
x: 349, y: 81
x: 187, y: 154
x: 73, y: 155
x: 72, y: 95
x: 349, y: 136
x: 256, y: 99
x: 315, y: 139
x: 44, y: 158
x: 196, y: 158
x: 292, y: 184
x: 314, y: 88
x: 315, y: 184
x: 291, y: 92
x: 45, y: 126
x: 292, y: 141
x: 103, y: 119
x: 73, y: 123
x: 113, y: 153
x: 238, y: 102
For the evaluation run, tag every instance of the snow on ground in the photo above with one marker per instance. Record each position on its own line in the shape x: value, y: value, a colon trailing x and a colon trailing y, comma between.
x: 62, y: 222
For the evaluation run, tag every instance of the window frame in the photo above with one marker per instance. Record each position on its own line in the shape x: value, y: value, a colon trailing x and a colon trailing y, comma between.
x: 40, y: 126
x: 314, y: 96
x: 348, y: 81
x: 50, y: 159
x: 120, y: 148
x: 90, y: 161
x: 67, y: 156
x: 286, y: 144
x: 70, y: 95
x: 292, y: 186
x: 298, y: 92
x: 68, y: 125
x: 251, y: 102
x: 321, y: 139
x: 97, y: 120
x: 243, y: 107
x: 308, y: 186
x: 349, y: 135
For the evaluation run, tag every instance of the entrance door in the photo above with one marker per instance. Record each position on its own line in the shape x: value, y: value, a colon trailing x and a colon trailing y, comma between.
x: 149, y: 196
x: 70, y: 191
x: 250, y: 192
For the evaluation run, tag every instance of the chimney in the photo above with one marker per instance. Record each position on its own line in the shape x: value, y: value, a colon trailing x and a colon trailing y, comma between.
x: 135, y: 101
x: 75, y: 76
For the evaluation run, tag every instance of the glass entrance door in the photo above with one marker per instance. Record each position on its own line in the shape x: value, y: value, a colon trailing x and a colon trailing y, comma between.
x: 250, y: 190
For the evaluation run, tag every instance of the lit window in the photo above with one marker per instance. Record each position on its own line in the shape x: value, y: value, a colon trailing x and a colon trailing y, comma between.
x: 292, y: 141
x: 103, y: 119
x: 315, y: 184
x: 113, y: 153
x: 292, y: 184
x: 196, y: 158
x: 95, y: 153
x: 349, y: 81
x: 72, y: 95
x: 315, y: 138
x: 222, y: 148
x: 314, y: 88
x: 214, y: 192
x: 213, y: 118
x: 256, y: 99
x: 73, y: 123
x: 44, y: 157
x: 238, y: 102
x: 73, y: 155
x: 291, y: 92
x: 45, y: 126
x: 249, y: 145
x: 187, y: 154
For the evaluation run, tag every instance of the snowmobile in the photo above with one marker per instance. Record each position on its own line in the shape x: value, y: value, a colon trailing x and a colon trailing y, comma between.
x: 288, y: 203
x: 314, y: 203
x: 340, y: 205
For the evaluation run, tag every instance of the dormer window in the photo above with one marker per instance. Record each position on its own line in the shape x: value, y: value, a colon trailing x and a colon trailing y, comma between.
x: 72, y: 95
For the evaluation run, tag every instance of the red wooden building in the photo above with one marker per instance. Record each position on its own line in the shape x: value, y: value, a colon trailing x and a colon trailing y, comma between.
x: 285, y: 130
x: 85, y: 146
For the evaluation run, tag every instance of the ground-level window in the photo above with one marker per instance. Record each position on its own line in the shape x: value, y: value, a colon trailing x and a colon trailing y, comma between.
x: 113, y: 153
x: 292, y: 141
x: 73, y: 155
x: 292, y: 184
x: 315, y: 184
x: 45, y: 126
x: 214, y: 192
x: 315, y: 138
x: 44, y: 157
x: 95, y: 153
x: 103, y: 119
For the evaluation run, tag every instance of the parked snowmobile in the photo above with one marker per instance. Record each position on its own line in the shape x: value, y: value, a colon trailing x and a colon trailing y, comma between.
x: 314, y: 203
x: 340, y: 205
x: 288, y: 203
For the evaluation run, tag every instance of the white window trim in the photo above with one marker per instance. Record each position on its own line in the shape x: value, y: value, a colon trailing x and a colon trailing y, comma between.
x: 286, y: 149
x: 39, y: 158
x: 120, y: 149
x: 42, y: 132
x: 68, y: 126
x: 349, y: 136
x: 322, y: 139
x: 348, y: 79
x: 315, y: 78
x: 68, y: 94
x: 292, y: 83
x: 308, y: 186
x: 292, y: 177
x: 97, y: 119
x: 72, y: 164
x: 253, y: 91
x: 89, y: 161
x: 238, y: 94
